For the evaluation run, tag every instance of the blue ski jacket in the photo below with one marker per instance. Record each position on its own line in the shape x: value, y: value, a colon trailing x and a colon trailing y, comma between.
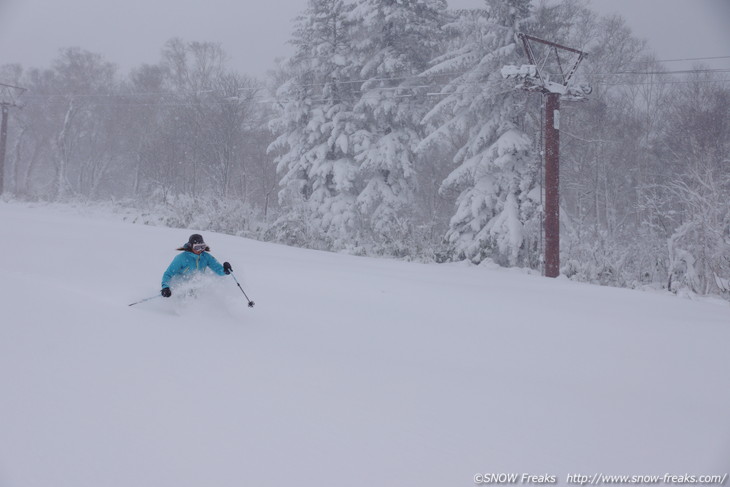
x: 186, y: 264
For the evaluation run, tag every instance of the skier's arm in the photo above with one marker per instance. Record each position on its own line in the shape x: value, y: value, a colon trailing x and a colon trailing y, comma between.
x: 173, y: 269
x: 215, y: 266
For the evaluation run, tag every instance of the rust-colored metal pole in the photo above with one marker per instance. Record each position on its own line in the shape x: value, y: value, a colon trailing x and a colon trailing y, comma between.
x: 3, y: 141
x: 552, y: 185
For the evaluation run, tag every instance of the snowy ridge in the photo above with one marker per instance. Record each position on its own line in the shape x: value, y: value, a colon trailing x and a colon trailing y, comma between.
x: 349, y: 371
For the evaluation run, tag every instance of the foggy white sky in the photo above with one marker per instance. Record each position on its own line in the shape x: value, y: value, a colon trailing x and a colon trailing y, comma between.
x: 254, y: 32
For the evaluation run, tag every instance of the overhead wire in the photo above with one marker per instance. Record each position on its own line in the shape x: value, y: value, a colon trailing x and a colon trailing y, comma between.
x: 706, y: 58
x: 455, y: 82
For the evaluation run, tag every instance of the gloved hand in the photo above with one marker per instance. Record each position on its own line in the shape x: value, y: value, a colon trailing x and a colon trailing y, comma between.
x: 227, y: 268
x: 166, y: 293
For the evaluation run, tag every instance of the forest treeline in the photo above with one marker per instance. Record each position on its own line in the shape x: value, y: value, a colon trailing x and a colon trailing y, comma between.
x: 391, y: 131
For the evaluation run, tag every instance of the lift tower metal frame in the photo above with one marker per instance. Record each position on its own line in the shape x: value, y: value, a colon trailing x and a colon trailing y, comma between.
x: 534, y: 77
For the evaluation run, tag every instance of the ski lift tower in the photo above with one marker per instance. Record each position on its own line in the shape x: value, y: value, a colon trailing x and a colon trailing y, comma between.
x: 536, y: 77
x: 8, y: 98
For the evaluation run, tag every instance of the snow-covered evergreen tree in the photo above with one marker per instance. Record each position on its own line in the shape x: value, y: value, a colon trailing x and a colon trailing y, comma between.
x: 314, y: 127
x: 394, y: 40
x: 497, y: 208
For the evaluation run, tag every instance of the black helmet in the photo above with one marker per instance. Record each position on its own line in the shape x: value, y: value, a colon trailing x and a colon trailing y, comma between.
x: 195, y: 239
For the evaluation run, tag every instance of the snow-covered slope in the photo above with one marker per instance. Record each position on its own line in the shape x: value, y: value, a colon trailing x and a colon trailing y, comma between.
x: 349, y: 371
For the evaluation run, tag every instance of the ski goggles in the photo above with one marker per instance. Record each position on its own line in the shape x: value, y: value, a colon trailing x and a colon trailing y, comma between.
x: 199, y: 247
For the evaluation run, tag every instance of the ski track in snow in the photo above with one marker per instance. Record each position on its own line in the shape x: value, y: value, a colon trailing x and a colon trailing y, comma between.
x: 349, y: 371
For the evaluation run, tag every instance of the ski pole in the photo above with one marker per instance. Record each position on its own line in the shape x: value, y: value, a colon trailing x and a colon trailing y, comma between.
x: 250, y: 303
x: 146, y: 299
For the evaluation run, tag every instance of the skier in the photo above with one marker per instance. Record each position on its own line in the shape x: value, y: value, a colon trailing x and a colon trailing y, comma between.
x: 193, y: 259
